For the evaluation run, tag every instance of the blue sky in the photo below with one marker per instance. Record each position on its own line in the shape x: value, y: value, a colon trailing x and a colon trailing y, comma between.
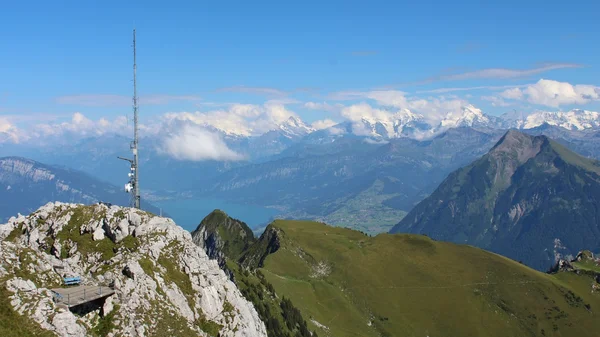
x: 62, y: 57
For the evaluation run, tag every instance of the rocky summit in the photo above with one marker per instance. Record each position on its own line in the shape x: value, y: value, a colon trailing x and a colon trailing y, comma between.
x: 163, y: 284
x: 223, y: 237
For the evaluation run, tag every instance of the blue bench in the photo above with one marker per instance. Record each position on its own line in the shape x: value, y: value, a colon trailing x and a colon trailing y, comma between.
x: 72, y: 280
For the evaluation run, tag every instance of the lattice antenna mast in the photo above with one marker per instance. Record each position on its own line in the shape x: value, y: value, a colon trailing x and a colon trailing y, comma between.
x: 133, y: 186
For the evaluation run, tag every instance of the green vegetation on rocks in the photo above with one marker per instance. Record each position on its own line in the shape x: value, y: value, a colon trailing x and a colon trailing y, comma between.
x: 233, y: 242
x: 223, y: 236
x: 173, y: 274
x: 12, y: 324
x: 156, y: 271
x: 106, y: 323
x: 14, y: 233
x: 210, y: 327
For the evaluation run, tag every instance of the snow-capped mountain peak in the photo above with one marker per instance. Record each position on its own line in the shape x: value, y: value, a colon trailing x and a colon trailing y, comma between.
x: 575, y: 119
x: 468, y: 116
x: 295, y: 127
x: 405, y: 116
x: 406, y: 123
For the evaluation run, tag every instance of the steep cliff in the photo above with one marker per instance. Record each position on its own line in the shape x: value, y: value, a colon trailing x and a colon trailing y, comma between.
x: 223, y: 237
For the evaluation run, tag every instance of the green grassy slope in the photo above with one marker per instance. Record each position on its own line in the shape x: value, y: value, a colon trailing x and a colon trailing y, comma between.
x: 410, y: 285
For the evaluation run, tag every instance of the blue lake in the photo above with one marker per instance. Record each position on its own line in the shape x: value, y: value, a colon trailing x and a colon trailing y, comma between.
x: 188, y: 213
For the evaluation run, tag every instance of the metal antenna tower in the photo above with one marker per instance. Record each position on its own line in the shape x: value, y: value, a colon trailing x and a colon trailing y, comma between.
x: 133, y: 186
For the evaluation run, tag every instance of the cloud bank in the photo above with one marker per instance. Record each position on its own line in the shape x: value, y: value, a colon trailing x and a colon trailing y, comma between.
x: 239, y: 119
x: 194, y: 143
x: 196, y: 135
x: 503, y: 73
x: 554, y: 94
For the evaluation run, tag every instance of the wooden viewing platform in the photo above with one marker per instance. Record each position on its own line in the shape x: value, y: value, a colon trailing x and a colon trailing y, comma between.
x: 73, y: 296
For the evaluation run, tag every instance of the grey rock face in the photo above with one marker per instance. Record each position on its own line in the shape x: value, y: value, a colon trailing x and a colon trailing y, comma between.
x: 172, y: 283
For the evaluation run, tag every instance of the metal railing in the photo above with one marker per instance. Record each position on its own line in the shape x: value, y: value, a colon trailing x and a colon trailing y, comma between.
x: 83, y: 295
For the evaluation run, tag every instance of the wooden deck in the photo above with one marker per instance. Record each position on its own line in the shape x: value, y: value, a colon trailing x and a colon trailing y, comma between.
x: 73, y: 296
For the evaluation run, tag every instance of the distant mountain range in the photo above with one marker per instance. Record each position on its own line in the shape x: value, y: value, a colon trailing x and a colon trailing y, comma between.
x: 25, y: 185
x: 406, y: 123
x: 366, y: 173
x: 529, y: 198
x: 576, y: 119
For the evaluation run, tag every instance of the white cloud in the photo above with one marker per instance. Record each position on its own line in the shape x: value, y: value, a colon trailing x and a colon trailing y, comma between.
x: 59, y: 132
x: 496, y: 101
x: 394, y: 106
x: 432, y: 108
x: 435, y: 109
x: 323, y: 124
x: 513, y: 93
x: 346, y: 95
x: 336, y: 131
x: 324, y: 106
x: 357, y: 112
x: 5, y: 125
x: 9, y: 132
x: 81, y: 126
x: 554, y: 94
x: 454, y: 89
x: 503, y: 73
x: 239, y: 119
x: 192, y: 142
x: 393, y: 98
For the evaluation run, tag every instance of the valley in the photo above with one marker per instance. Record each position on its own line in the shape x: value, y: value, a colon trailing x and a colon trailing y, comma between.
x: 367, y: 181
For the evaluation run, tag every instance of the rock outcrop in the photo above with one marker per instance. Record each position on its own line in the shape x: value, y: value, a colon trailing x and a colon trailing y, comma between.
x: 223, y: 237
x: 268, y: 243
x: 164, y: 284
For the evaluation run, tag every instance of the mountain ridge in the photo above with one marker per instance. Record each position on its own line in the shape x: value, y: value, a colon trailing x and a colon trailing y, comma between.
x: 406, y: 123
x: 26, y: 184
x: 347, y: 283
x: 523, y: 196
